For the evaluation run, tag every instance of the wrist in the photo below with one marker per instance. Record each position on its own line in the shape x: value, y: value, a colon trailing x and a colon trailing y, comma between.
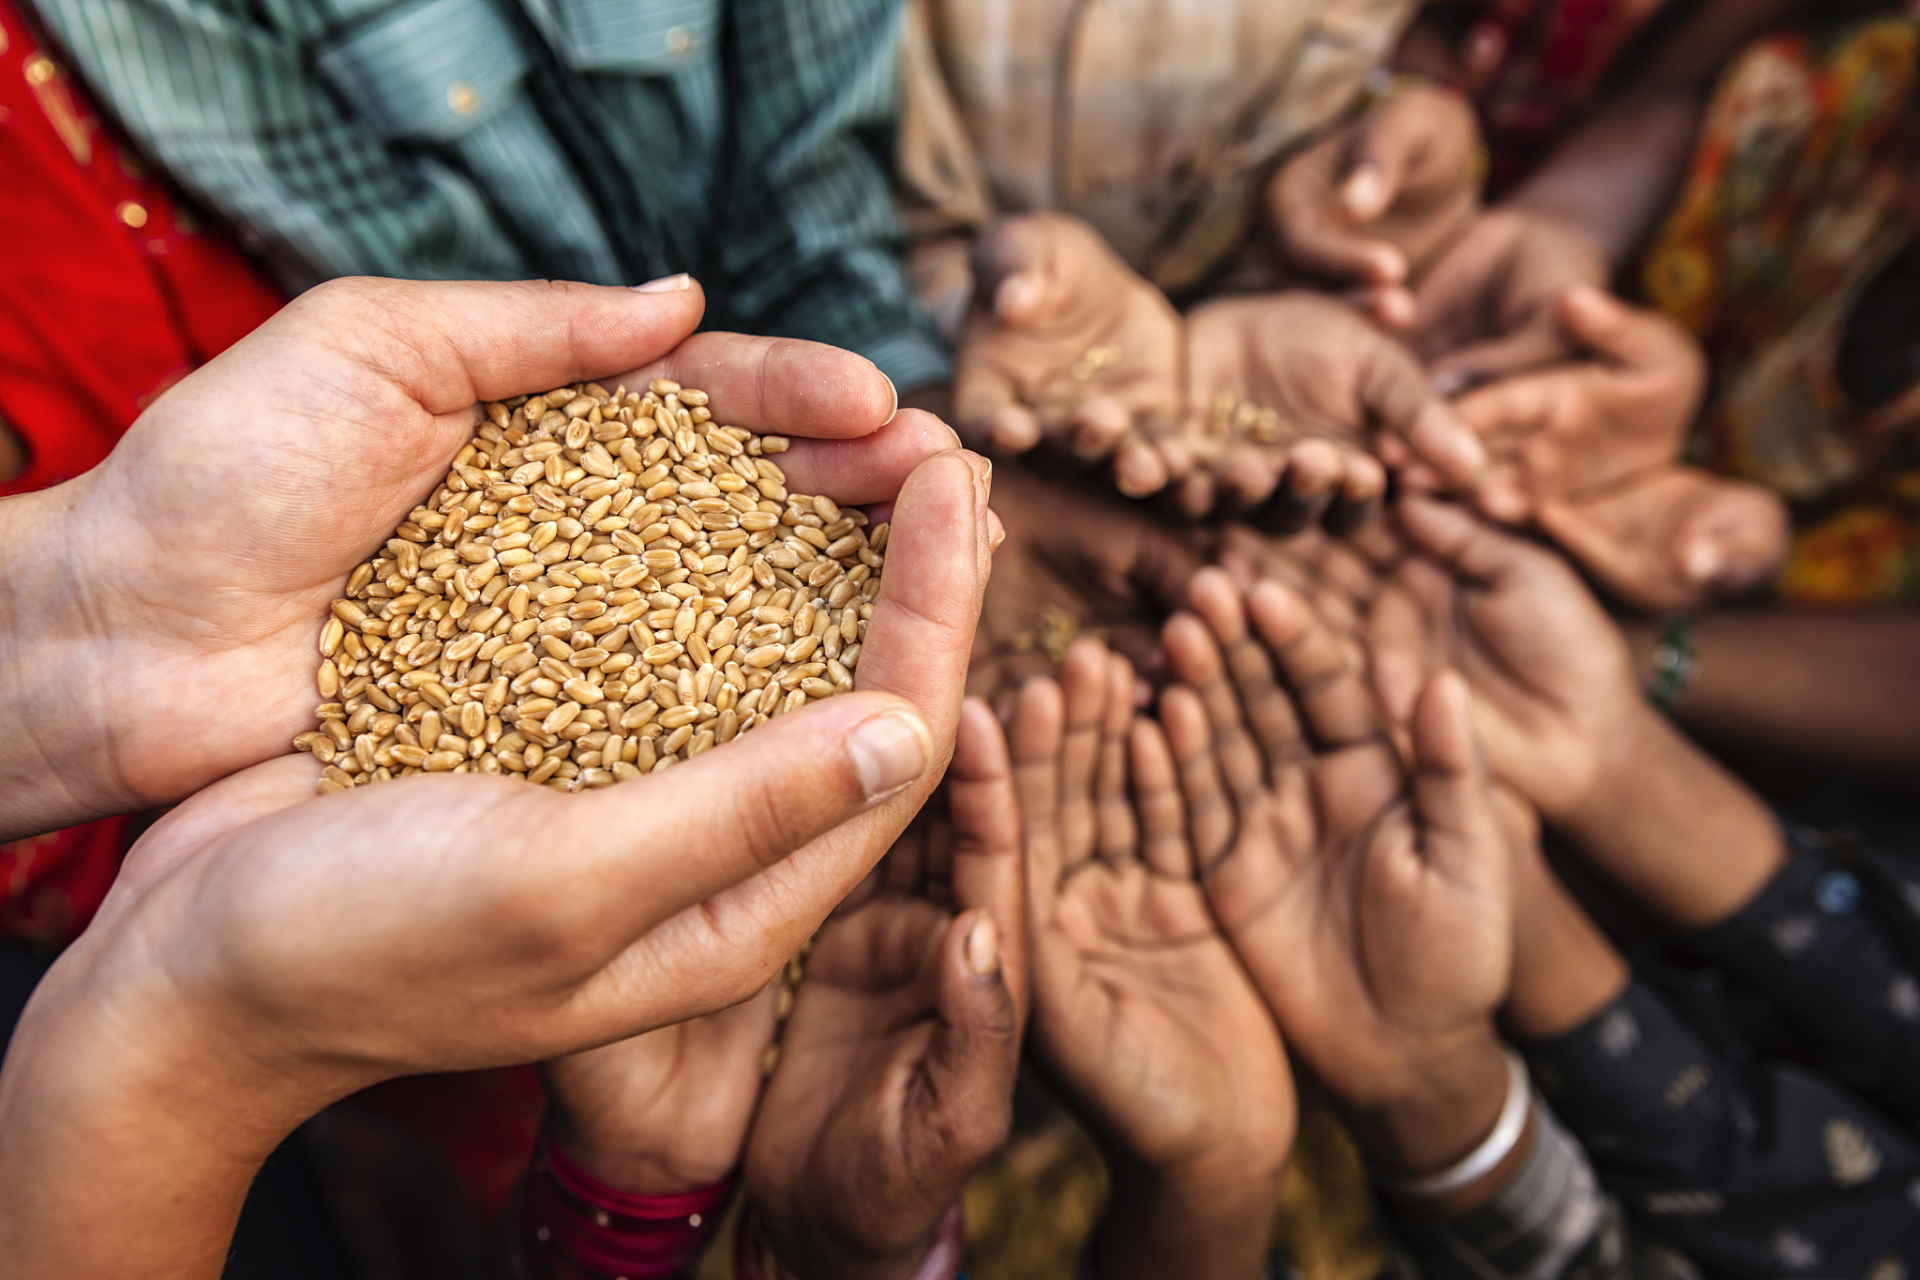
x: 1445, y: 1106
x: 130, y: 1129
x: 1674, y: 828
x: 54, y: 765
x: 1200, y: 1224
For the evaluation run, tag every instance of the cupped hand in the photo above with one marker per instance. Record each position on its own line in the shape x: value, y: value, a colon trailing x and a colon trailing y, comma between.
x: 895, y: 1078
x: 1372, y: 203
x: 1068, y: 344
x: 1289, y: 397
x: 166, y: 638
x: 1372, y: 908
x: 1674, y: 537
x: 1554, y: 695
x: 1488, y: 305
x: 1621, y: 408
x: 1143, y: 1018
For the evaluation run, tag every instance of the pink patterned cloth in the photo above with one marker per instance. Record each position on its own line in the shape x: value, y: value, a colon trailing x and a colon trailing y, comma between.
x: 568, y: 1225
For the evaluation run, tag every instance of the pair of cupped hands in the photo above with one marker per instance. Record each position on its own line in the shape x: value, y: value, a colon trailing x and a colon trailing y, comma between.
x: 1471, y: 350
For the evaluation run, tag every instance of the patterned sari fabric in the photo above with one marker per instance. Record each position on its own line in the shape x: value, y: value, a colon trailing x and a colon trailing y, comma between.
x: 1784, y: 255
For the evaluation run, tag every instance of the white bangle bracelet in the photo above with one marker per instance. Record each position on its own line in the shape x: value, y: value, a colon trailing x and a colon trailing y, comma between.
x: 1483, y: 1159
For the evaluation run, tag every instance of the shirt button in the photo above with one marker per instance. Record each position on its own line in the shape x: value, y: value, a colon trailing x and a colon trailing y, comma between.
x: 131, y: 213
x: 463, y: 98
x: 679, y: 42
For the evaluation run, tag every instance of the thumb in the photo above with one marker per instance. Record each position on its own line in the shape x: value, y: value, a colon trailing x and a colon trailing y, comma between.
x: 1381, y: 152
x: 742, y: 809
x: 963, y: 1114
x: 1617, y: 332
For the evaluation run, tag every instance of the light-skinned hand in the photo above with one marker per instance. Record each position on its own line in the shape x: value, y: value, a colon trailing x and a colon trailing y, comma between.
x: 162, y: 620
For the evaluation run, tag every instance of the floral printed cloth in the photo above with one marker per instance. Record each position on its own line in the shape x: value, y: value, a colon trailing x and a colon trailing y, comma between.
x: 1784, y: 255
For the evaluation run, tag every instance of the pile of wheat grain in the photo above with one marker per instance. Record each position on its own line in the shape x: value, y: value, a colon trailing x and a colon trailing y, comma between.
x: 604, y: 584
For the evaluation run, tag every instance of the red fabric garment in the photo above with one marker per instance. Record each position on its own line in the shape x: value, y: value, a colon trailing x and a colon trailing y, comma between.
x: 108, y: 295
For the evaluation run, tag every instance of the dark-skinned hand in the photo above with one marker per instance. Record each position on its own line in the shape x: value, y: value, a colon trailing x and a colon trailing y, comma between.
x: 896, y: 1069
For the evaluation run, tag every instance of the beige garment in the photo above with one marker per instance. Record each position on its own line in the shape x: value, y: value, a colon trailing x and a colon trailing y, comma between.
x: 1154, y: 120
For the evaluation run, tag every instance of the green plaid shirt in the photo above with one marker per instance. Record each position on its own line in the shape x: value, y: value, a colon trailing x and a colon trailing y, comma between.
x: 746, y: 141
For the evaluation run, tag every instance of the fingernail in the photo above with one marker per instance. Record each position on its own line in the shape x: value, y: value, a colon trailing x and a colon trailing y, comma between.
x: 888, y: 752
x: 1365, y: 192
x: 896, y: 398
x: 983, y: 946
x: 666, y: 284
x: 996, y: 532
x: 1703, y: 563
x: 1451, y: 382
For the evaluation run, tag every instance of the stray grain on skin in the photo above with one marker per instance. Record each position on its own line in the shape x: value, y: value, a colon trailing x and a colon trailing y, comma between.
x: 605, y: 584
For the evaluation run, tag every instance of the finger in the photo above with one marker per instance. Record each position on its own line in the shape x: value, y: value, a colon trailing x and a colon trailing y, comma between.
x: 1237, y: 681
x: 1212, y: 821
x: 1622, y: 334
x: 963, y: 1113
x: 1507, y: 411
x: 1156, y: 789
x: 781, y: 386
x: 1317, y: 233
x: 920, y: 639
x: 1463, y: 542
x: 448, y: 345
x: 871, y: 468
x: 1628, y: 566
x: 1119, y: 837
x: 1013, y: 428
x: 1397, y: 639
x: 1398, y: 394
x: 1461, y: 837
x: 1083, y: 683
x: 1098, y: 424
x: 1140, y: 469
x: 1304, y: 493
x: 1736, y: 536
x: 1330, y: 686
x: 1034, y: 743
x: 987, y: 868
x: 1393, y: 307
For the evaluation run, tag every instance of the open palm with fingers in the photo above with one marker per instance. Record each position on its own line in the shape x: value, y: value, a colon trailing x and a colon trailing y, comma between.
x: 1371, y: 907
x: 1141, y: 1011
x: 895, y: 1076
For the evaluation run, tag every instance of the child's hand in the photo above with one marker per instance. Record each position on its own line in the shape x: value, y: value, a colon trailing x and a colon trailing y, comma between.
x: 1621, y: 408
x: 1288, y: 397
x: 1674, y: 537
x: 1372, y: 909
x: 895, y: 1077
x: 1372, y: 203
x: 1065, y: 343
x: 665, y: 1112
x: 1142, y: 1015
x: 1488, y: 306
x: 1555, y: 698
